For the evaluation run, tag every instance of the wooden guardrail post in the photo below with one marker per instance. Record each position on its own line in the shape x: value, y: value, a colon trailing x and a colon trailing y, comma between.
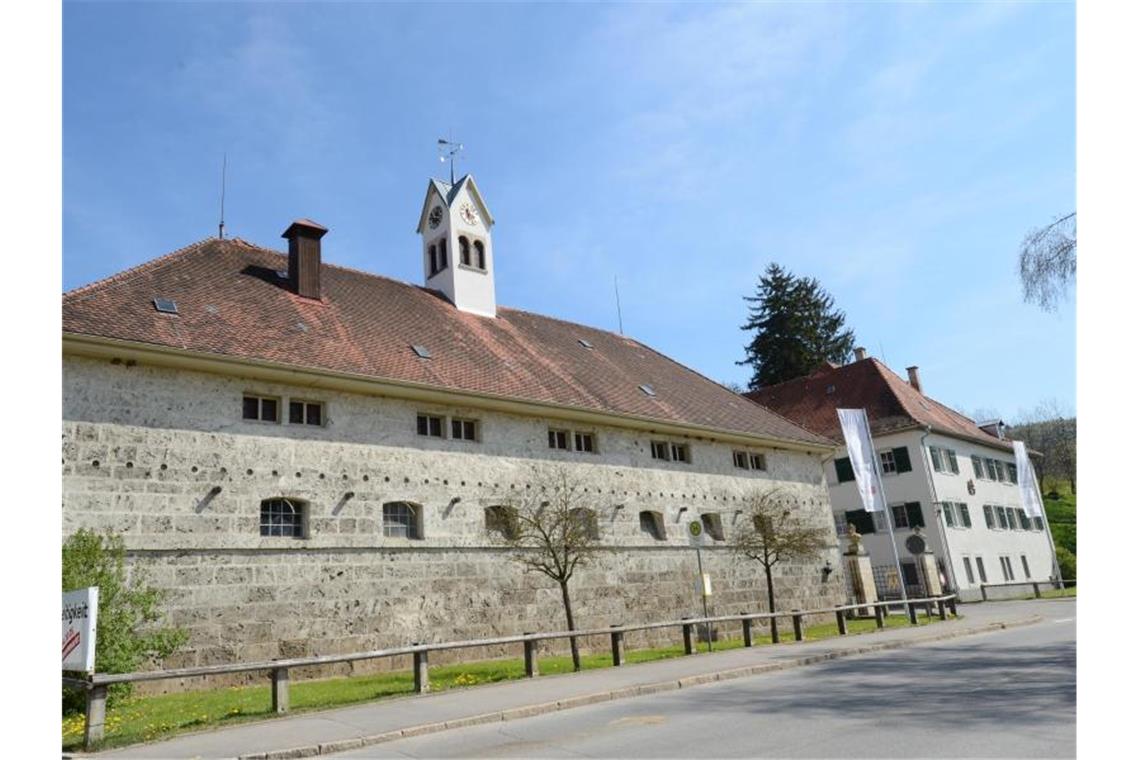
x: 279, y: 689
x: 96, y: 715
x: 617, y: 646
x: 420, y: 665
x: 687, y: 632
x: 774, y: 624
x: 798, y: 626
x: 841, y: 622
x: 912, y: 613
x: 1036, y: 589
x: 941, y: 609
x: 746, y: 625
x: 879, y: 623
x: 530, y: 658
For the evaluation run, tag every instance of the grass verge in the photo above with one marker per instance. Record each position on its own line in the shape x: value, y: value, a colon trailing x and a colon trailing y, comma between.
x: 144, y: 719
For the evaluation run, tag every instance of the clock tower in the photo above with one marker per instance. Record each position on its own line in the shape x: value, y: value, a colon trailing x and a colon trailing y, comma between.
x: 455, y: 229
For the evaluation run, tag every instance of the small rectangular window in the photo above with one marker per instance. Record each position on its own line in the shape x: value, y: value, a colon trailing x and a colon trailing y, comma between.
x: 659, y: 450
x: 936, y: 459
x: 977, y: 462
x: 899, y: 516
x: 558, y: 439
x: 862, y: 520
x: 464, y: 430
x: 584, y: 442
x: 964, y: 513
x: 740, y: 459
x: 260, y: 408
x: 981, y: 570
x: 844, y: 472
x: 1002, y: 519
x: 991, y: 469
x: 1025, y: 566
x: 282, y: 517
x: 948, y: 514
x: 952, y: 458
x: 969, y: 570
x: 988, y: 511
x: 305, y: 413
x: 429, y: 425
x: 758, y: 461
x: 680, y: 452
x: 401, y: 520
x: 1038, y: 523
x: 1011, y: 468
x: 887, y: 459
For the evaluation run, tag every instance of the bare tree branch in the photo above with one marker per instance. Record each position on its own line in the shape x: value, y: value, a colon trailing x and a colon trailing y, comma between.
x: 1047, y: 262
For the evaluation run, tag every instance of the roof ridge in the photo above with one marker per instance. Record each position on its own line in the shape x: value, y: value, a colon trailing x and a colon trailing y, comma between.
x: 131, y: 272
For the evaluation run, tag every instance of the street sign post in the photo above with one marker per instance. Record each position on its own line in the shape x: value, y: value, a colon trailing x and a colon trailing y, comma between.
x: 696, y: 531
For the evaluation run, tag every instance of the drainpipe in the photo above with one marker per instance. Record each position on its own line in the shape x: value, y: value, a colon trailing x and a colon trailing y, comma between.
x: 938, y: 509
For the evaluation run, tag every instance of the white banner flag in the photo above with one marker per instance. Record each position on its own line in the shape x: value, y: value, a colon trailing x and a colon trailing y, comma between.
x: 861, y: 450
x: 1027, y: 481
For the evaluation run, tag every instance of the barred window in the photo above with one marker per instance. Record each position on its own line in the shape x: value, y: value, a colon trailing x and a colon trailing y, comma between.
x: 306, y: 413
x: 260, y: 408
x: 586, y: 521
x: 501, y: 520
x: 283, y: 517
x: 402, y: 519
x: 429, y: 425
x: 712, y: 525
x: 653, y: 523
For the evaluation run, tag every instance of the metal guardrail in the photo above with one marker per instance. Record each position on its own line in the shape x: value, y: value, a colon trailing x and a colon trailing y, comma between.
x: 1036, y: 585
x: 96, y: 684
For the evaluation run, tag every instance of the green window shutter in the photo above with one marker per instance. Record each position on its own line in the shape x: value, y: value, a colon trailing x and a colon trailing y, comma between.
x: 862, y: 520
x: 843, y: 470
x: 914, y: 515
x: 902, y: 459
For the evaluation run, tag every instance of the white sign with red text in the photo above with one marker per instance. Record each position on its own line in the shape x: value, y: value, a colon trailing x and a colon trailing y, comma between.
x: 79, y: 610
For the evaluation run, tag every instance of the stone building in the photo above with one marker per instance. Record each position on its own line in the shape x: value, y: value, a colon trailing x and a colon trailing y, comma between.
x: 304, y: 455
x: 944, y: 473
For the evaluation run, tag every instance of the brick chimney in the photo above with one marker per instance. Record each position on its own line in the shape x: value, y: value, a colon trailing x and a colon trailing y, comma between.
x: 912, y: 373
x: 860, y: 354
x: 304, y: 236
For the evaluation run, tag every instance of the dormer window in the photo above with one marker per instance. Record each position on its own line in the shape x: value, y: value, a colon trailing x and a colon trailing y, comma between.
x: 464, y: 251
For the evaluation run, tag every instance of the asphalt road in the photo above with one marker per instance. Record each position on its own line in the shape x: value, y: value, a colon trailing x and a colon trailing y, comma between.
x: 1005, y: 694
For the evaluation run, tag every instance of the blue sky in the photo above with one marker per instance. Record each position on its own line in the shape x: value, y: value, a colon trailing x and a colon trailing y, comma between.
x: 897, y: 152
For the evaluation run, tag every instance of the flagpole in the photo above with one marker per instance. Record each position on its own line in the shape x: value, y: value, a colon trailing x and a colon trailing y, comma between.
x: 886, y: 509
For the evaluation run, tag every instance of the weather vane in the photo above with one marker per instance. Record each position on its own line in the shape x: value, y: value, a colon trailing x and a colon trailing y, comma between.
x: 447, y: 152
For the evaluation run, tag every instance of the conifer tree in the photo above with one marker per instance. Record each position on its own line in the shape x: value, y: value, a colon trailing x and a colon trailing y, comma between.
x: 796, y: 328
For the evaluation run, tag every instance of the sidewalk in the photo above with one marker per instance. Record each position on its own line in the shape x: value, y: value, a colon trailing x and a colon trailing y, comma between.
x: 336, y: 730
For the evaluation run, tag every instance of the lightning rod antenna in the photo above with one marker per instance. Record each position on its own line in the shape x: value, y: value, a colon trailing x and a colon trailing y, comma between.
x: 222, y: 213
x: 617, y: 297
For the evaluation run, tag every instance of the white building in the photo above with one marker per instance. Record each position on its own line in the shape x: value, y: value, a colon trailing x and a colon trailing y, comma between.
x: 942, y: 472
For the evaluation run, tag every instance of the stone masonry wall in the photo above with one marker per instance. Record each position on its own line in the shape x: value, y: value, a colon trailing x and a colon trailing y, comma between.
x: 144, y: 446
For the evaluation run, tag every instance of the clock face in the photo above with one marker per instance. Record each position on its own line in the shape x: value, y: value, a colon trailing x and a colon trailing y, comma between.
x: 435, y: 217
x: 467, y: 211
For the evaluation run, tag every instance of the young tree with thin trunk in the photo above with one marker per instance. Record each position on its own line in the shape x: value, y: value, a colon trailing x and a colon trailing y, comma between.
x: 553, y: 529
x: 776, y: 530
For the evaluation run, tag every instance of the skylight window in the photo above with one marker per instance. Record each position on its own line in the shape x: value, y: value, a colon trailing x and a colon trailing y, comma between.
x: 421, y: 352
x: 166, y: 306
x: 647, y: 390
x: 585, y: 343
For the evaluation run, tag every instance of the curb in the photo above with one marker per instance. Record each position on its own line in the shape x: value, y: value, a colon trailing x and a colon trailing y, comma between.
x: 626, y: 692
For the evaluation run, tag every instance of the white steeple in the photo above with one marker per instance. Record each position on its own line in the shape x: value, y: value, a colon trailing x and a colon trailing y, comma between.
x: 455, y: 227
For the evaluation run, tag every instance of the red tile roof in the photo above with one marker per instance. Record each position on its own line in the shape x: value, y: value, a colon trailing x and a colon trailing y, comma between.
x: 892, y: 403
x: 232, y: 302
